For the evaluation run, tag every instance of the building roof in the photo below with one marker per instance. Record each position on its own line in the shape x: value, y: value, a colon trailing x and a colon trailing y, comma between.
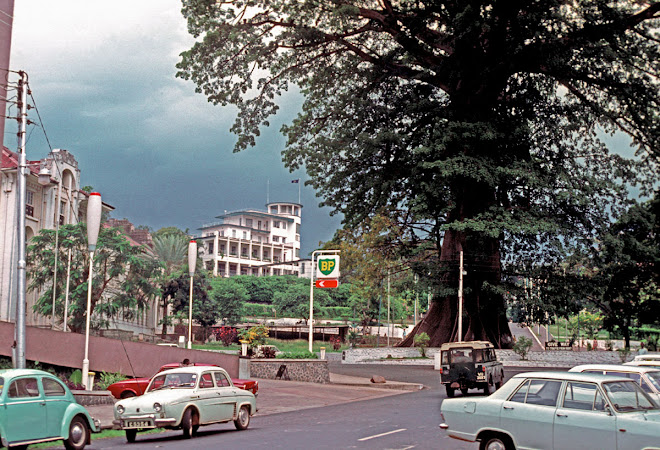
x: 10, y: 161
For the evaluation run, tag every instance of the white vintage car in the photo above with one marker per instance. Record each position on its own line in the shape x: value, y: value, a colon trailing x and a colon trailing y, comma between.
x: 186, y: 398
x: 647, y: 377
x: 557, y: 410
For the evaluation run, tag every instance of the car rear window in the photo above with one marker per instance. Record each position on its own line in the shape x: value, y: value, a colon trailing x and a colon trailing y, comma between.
x: 537, y: 392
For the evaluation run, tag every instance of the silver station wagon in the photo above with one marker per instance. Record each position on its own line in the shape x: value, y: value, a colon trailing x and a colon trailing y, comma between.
x: 557, y: 410
x: 186, y: 398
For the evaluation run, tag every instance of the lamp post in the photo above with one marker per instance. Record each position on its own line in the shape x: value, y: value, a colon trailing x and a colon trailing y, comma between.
x: 94, y: 209
x: 192, y: 262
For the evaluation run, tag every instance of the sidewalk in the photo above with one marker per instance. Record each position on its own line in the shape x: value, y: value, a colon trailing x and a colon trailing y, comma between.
x: 276, y: 396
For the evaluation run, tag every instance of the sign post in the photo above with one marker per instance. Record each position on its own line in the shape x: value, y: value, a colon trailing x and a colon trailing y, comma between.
x: 327, y: 272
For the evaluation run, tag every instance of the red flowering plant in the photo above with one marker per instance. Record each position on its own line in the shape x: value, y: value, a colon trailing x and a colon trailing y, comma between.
x: 228, y: 335
x: 336, y: 342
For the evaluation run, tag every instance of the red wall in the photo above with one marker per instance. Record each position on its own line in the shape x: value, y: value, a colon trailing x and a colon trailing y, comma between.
x: 106, y: 355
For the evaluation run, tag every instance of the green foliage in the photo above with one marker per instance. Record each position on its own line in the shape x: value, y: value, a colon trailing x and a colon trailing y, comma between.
x: 589, y: 324
x: 122, y: 275
x: 258, y: 310
x: 107, y: 378
x: 76, y: 376
x: 422, y: 341
x: 472, y: 126
x: 298, y: 355
x: 254, y: 336
x: 229, y: 298
x: 522, y: 346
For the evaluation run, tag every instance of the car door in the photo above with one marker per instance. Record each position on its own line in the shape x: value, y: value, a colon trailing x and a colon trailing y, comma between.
x: 529, y: 413
x: 227, y: 393
x: 582, y: 420
x: 56, y: 404
x: 26, y: 410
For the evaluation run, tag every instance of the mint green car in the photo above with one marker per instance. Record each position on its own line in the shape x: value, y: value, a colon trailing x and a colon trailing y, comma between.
x: 186, y: 398
x: 36, y: 406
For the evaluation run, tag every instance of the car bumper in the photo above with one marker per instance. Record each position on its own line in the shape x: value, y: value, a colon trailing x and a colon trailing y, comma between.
x: 143, y: 422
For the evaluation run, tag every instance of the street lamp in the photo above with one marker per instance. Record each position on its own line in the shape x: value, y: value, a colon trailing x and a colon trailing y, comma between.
x: 192, y: 262
x: 94, y: 209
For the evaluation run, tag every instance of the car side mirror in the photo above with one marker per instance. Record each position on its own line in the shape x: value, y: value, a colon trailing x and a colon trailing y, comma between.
x: 608, y: 409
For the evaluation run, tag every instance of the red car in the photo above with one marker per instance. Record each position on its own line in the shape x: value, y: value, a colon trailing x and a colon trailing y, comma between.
x: 136, y: 386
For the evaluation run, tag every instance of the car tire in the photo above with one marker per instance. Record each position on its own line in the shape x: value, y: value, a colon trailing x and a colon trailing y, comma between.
x: 78, y: 434
x: 450, y: 391
x: 496, y: 442
x: 127, y: 394
x: 130, y: 436
x: 243, y: 418
x: 486, y: 388
x: 187, y: 424
x: 498, y: 385
x: 464, y: 391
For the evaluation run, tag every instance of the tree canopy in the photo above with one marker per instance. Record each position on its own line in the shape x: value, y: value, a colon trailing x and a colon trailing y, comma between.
x: 121, y: 285
x: 477, y: 125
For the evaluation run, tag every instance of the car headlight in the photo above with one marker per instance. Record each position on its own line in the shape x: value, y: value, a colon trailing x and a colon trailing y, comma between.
x: 120, y: 409
x: 158, y: 407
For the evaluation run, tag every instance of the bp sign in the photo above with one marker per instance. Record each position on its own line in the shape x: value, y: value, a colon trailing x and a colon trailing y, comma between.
x: 327, y: 266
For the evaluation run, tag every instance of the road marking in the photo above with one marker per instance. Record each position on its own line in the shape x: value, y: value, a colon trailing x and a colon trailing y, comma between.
x: 381, y: 435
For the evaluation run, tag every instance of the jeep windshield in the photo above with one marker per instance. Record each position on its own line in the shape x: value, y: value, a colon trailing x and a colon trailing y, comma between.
x: 173, y: 381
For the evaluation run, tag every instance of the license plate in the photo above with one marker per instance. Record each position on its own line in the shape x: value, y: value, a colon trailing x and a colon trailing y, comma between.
x: 137, y: 424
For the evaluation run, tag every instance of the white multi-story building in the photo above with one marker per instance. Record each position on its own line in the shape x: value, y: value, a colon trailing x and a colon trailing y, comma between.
x: 252, y: 242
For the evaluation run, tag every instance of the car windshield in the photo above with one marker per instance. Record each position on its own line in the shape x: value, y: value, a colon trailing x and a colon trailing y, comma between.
x: 627, y: 396
x: 173, y: 380
x: 654, y: 378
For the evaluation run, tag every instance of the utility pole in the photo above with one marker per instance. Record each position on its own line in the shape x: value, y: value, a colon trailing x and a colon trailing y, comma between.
x: 19, y: 361
x: 460, y: 298
x: 388, y: 309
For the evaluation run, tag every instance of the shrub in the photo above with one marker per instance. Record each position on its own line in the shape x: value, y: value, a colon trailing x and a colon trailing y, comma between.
x: 268, y: 352
x: 227, y: 335
x: 255, y: 335
x: 522, y: 346
x: 336, y: 342
x: 298, y: 355
x: 108, y: 378
x: 422, y: 341
x: 624, y: 353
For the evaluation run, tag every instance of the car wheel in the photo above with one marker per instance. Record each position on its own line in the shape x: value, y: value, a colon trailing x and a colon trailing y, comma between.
x: 487, y: 388
x: 187, y: 424
x: 464, y: 391
x: 127, y: 394
x: 450, y: 391
x: 78, y: 434
x: 130, y: 436
x: 19, y: 447
x: 243, y: 419
x: 496, y: 442
x: 498, y: 385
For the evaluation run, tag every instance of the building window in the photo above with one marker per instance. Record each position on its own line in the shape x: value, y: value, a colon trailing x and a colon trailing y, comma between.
x: 298, y: 228
x: 245, y: 235
x: 29, y: 203
x: 283, y: 240
x: 233, y: 250
x: 284, y: 225
x: 276, y: 223
x: 258, y: 238
x: 210, y: 249
x: 233, y: 233
x: 273, y: 209
x: 297, y: 238
x: 276, y: 239
x: 259, y: 225
x: 248, y: 223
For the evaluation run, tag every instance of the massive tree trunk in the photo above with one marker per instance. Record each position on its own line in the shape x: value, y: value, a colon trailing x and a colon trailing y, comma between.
x: 484, y: 309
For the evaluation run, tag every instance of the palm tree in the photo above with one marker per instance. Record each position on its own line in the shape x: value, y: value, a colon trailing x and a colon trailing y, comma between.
x: 170, y: 250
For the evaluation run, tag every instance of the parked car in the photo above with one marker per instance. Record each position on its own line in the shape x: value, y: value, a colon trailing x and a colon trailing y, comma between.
x: 36, y: 406
x: 136, y: 386
x: 186, y: 398
x: 470, y: 365
x: 557, y: 410
x: 647, y: 377
x: 655, y: 357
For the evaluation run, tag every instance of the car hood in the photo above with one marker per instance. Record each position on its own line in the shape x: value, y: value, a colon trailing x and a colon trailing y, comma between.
x: 164, y: 397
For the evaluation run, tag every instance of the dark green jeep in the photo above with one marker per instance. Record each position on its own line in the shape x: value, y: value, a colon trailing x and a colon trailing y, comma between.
x: 470, y: 365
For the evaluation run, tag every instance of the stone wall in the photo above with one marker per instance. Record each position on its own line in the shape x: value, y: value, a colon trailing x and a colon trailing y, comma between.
x: 550, y: 358
x: 310, y: 370
x: 90, y: 398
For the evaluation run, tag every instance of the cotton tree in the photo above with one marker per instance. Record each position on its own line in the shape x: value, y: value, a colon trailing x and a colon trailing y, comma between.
x: 478, y: 121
